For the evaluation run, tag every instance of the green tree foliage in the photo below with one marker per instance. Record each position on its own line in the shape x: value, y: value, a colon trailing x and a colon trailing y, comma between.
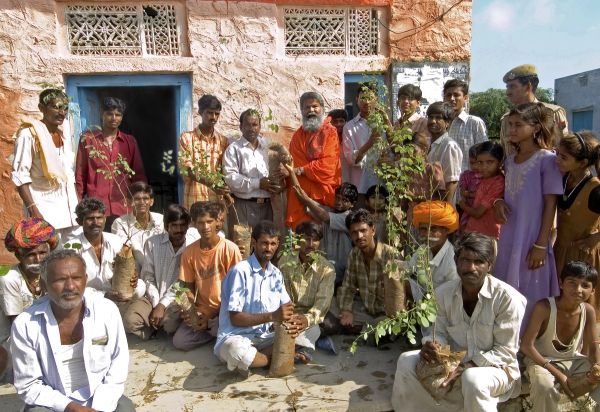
x: 492, y: 104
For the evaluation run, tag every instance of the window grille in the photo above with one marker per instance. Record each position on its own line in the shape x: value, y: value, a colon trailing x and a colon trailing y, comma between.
x: 335, y: 31
x: 119, y: 30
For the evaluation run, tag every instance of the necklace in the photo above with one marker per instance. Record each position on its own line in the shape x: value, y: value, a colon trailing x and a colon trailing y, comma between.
x: 33, y: 285
x: 567, y: 196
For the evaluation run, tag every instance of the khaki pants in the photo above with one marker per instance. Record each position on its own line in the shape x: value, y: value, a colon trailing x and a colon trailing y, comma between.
x: 136, y: 318
x: 332, y: 325
x: 482, y: 388
x: 543, y: 393
x: 249, y: 213
x: 187, y: 338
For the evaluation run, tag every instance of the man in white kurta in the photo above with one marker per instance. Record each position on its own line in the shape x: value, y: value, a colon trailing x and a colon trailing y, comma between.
x: 480, y: 315
x: 43, y: 164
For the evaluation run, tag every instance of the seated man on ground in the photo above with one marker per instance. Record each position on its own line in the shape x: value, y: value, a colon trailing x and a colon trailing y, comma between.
x: 30, y: 240
x: 69, y: 349
x: 137, y: 227
x: 157, y: 309
x: 253, y: 296
x: 309, y: 280
x: 367, y: 265
x: 99, y: 249
x: 434, y: 220
x: 336, y: 242
x: 204, y: 265
x: 569, y: 319
x: 480, y: 315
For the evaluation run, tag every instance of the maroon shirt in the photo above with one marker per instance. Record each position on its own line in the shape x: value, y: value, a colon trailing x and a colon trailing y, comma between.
x: 91, y: 181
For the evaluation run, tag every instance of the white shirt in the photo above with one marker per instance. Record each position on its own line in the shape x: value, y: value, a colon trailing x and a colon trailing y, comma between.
x: 161, y: 267
x: 355, y: 135
x: 35, y: 343
x: 15, y: 297
x: 443, y: 269
x: 490, y: 336
x: 56, y: 202
x: 244, y: 166
x: 466, y: 130
x: 126, y: 226
x: 100, y: 273
x: 448, y: 153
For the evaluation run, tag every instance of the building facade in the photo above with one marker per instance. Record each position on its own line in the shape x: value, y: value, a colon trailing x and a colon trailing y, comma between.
x: 161, y: 56
x: 579, y: 94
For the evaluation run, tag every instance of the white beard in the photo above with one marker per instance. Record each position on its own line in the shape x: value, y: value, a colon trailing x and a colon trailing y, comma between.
x: 312, y: 123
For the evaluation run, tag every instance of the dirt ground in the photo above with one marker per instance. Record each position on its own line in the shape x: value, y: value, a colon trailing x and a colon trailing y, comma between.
x: 164, y: 379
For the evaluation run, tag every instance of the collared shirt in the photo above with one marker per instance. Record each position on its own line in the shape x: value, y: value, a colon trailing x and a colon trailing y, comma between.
x: 490, y: 336
x: 368, y: 281
x: 161, y: 267
x: 15, y: 297
x: 466, y: 130
x: 56, y: 200
x: 91, y: 169
x: 443, y: 269
x: 310, y: 287
x: 355, y: 135
x: 244, y: 167
x: 35, y: 343
x: 250, y: 289
x: 129, y: 230
x: 206, y: 269
x: 194, y: 147
x: 100, y: 273
x: 447, y: 152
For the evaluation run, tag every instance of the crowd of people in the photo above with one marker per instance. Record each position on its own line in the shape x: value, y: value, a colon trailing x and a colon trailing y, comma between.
x: 511, y: 229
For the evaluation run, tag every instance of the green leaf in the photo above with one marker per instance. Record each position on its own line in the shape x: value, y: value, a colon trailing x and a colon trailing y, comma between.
x: 4, y: 269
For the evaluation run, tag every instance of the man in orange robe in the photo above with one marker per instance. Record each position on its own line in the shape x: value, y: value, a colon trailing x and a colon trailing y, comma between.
x: 315, y: 149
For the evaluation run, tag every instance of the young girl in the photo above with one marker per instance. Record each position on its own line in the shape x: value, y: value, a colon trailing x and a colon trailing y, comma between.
x: 533, y: 182
x: 489, y: 156
x: 579, y: 207
x: 467, y: 184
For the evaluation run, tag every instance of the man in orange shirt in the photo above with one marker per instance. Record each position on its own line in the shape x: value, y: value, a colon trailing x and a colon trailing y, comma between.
x: 204, y: 264
x: 315, y: 149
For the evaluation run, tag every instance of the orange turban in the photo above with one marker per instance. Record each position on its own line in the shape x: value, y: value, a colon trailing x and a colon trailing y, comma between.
x: 436, y: 213
x: 29, y: 233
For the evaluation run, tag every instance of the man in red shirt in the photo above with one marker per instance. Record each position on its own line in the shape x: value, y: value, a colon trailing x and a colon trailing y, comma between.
x: 108, y: 161
x: 315, y: 149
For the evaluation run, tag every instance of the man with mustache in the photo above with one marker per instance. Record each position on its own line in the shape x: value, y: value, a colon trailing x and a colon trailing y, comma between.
x: 253, y: 296
x: 30, y: 240
x: 521, y: 83
x: 162, y: 254
x: 246, y: 170
x: 204, y: 265
x: 368, y: 263
x: 43, y: 164
x: 309, y: 280
x: 101, y: 153
x: 435, y: 220
x: 202, y: 145
x: 69, y: 349
x: 480, y: 315
x: 315, y: 150
x: 98, y: 249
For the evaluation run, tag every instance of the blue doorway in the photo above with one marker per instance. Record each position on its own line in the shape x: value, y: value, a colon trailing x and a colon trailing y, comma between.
x: 159, y: 109
x: 351, y: 84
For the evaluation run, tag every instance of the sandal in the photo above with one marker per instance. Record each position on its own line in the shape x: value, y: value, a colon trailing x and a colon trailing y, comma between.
x: 302, y: 356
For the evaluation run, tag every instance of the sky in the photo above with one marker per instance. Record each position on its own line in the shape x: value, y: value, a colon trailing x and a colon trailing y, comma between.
x: 560, y: 37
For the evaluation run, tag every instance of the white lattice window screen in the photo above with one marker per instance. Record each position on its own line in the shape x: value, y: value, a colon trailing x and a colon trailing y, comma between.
x: 336, y: 31
x: 118, y: 30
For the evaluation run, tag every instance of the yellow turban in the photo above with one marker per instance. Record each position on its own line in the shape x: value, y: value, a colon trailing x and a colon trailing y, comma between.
x: 436, y: 213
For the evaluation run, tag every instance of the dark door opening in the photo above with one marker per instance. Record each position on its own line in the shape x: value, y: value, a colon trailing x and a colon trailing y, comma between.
x: 151, y: 118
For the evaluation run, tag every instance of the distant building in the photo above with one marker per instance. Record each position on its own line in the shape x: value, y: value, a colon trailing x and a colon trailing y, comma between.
x: 579, y: 94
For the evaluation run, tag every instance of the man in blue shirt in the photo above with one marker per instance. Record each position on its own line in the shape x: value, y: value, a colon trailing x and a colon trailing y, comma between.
x: 253, y: 296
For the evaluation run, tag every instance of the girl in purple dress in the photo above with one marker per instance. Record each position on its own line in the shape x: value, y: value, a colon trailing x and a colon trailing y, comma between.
x: 525, y: 257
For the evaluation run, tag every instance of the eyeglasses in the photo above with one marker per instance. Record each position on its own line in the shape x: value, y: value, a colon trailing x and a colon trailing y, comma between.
x: 58, y: 107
